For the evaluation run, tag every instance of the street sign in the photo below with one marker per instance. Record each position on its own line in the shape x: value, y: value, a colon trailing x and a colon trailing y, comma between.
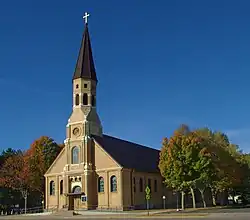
x: 147, y: 197
x: 147, y: 190
x: 84, y: 198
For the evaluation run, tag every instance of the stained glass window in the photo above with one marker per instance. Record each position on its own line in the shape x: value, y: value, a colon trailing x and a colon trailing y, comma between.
x: 141, y: 185
x: 113, y: 182
x: 52, y: 188
x: 61, y: 187
x: 100, y: 184
x: 77, y: 189
x: 75, y: 155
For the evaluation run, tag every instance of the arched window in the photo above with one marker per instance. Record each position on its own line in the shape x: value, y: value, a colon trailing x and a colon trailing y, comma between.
x: 77, y: 99
x: 93, y: 100
x: 155, y: 186
x: 61, y: 187
x: 134, y: 183
x: 141, y: 185
x: 52, y: 188
x: 113, y: 184
x: 149, y: 183
x: 77, y: 189
x: 100, y: 184
x: 75, y: 155
x: 85, y: 99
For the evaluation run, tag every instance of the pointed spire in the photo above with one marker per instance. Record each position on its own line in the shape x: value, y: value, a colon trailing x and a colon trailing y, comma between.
x: 85, y: 67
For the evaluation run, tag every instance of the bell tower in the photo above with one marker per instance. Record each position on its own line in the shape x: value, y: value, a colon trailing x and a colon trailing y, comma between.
x: 84, y: 93
x: 82, y: 124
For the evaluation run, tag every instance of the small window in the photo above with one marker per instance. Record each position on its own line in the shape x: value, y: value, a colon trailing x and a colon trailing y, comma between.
x: 113, y: 184
x: 77, y: 99
x: 61, y: 187
x: 52, y: 188
x: 134, y: 180
x: 141, y: 185
x: 85, y: 99
x: 100, y: 184
x: 77, y: 86
x: 85, y: 85
x: 155, y: 186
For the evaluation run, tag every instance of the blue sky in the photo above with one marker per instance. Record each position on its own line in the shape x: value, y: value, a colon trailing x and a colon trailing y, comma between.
x: 159, y: 64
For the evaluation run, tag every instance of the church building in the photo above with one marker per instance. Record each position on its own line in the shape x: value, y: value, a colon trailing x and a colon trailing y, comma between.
x: 95, y: 170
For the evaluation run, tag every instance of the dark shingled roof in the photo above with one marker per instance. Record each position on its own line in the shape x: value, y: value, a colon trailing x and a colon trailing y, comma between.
x: 85, y: 67
x: 130, y: 155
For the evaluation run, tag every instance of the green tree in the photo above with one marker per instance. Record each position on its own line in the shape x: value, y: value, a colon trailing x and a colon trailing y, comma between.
x: 184, y: 161
x: 226, y: 169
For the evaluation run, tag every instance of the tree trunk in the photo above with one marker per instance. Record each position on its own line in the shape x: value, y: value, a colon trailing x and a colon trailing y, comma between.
x: 203, y: 198
x: 193, y: 197
x: 213, y: 197
x: 182, y: 200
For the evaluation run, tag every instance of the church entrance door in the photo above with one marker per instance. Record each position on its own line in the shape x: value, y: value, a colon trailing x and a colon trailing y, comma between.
x: 75, y: 198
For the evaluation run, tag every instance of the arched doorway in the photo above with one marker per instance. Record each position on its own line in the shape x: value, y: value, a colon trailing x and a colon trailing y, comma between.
x: 75, y: 198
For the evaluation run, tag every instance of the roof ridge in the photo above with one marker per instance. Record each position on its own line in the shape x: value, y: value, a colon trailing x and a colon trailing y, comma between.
x: 138, y: 145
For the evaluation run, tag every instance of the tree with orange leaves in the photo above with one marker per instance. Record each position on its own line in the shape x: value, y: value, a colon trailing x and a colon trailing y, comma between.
x: 41, y: 155
x: 15, y: 174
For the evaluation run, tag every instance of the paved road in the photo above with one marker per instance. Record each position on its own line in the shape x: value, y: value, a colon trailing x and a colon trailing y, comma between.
x: 214, y: 216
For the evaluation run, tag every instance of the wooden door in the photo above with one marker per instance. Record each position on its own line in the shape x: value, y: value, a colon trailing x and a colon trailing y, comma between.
x: 71, y: 203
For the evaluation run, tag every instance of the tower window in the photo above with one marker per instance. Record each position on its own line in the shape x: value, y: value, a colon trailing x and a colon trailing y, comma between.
x: 93, y: 100
x: 77, y: 86
x: 85, y: 99
x: 85, y: 85
x: 77, y: 99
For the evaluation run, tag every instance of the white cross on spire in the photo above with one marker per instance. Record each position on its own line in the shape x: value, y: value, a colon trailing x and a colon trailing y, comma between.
x: 85, y: 17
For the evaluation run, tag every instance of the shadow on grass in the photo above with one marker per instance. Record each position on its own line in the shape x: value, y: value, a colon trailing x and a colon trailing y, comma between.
x: 223, y: 209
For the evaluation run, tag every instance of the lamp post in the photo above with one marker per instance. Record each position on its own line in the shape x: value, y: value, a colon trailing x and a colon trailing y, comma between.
x: 177, y: 202
x: 164, y: 202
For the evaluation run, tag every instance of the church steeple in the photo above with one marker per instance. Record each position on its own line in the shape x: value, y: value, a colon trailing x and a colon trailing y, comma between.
x: 84, y: 114
x: 85, y: 67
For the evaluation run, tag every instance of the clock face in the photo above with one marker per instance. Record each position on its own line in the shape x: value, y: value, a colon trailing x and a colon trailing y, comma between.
x: 76, y: 131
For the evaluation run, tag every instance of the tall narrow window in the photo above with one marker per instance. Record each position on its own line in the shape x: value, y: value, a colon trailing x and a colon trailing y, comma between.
x: 61, y: 187
x: 100, y: 184
x: 134, y: 182
x: 141, y: 185
x: 155, y: 186
x: 85, y: 99
x: 93, y: 100
x: 77, y: 99
x: 149, y: 183
x: 75, y: 155
x: 113, y: 184
x: 52, y: 188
